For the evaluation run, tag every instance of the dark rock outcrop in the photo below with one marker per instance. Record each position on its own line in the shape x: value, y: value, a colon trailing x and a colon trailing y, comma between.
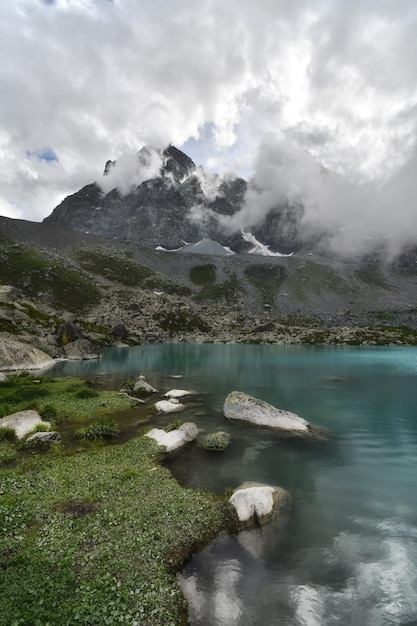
x: 173, y: 207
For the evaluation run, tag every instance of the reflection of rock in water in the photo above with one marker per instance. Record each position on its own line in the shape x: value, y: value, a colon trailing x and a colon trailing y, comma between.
x: 366, y: 578
x: 211, y: 583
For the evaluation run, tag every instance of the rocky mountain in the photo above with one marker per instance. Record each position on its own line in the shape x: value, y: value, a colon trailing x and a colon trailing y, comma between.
x: 174, y: 206
x: 53, y: 278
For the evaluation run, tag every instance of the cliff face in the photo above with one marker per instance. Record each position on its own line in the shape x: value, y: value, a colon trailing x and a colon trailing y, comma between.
x: 172, y: 207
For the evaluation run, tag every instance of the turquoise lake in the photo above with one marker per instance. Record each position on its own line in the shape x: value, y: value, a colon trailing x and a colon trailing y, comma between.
x: 348, y: 555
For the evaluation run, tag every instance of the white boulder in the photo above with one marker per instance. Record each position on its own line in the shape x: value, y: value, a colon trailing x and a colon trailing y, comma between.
x: 15, y: 355
x: 177, y: 393
x: 256, y: 503
x: 243, y: 407
x: 23, y: 422
x: 168, y: 406
x: 175, y: 439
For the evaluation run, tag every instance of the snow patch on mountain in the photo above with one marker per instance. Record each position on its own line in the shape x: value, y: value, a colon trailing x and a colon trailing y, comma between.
x: 260, y: 248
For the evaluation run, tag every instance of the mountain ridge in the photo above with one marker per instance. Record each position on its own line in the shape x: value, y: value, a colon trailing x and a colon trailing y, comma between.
x: 179, y: 203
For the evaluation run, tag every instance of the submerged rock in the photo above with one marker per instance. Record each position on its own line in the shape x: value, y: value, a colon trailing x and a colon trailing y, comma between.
x: 169, y: 406
x: 243, y: 407
x: 144, y: 388
x: 23, y: 422
x: 177, y: 393
x: 15, y: 355
x: 175, y: 439
x: 255, y: 504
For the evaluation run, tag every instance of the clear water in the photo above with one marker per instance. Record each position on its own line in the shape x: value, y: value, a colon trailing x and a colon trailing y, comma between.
x: 349, y: 553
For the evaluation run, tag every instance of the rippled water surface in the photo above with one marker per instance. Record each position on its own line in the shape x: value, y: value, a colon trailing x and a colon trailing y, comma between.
x: 349, y: 553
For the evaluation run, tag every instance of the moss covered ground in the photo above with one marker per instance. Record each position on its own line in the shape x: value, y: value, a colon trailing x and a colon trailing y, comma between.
x: 95, y: 536
x: 36, y: 273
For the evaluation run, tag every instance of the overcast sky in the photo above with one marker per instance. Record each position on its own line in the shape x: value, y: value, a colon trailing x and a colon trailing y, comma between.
x: 234, y: 83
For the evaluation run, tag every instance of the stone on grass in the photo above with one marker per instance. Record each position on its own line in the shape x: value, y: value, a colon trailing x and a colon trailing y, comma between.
x: 255, y: 504
x: 169, y: 406
x: 174, y: 439
x: 243, y: 407
x: 23, y: 422
x: 51, y: 436
x: 216, y: 441
x: 3, y: 377
x: 16, y: 355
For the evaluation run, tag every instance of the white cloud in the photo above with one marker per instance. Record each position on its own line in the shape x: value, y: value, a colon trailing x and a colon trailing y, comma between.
x: 94, y: 79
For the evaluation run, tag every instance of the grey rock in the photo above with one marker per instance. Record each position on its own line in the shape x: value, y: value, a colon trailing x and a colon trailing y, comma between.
x: 143, y: 387
x: 23, y: 422
x: 15, y: 355
x: 69, y: 332
x: 50, y: 436
x: 243, y: 407
x: 81, y: 349
x: 120, y: 331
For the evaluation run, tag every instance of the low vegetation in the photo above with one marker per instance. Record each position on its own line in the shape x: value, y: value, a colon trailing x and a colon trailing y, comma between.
x: 123, y: 270
x: 229, y: 291
x: 267, y: 279
x: 58, y: 399
x: 40, y: 276
x: 95, y: 536
x: 179, y: 320
x: 203, y: 274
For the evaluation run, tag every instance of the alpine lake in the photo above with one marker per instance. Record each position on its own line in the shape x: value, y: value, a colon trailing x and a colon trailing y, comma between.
x: 348, y: 555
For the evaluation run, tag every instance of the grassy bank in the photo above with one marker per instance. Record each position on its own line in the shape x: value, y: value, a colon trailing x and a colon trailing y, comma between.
x: 95, y: 537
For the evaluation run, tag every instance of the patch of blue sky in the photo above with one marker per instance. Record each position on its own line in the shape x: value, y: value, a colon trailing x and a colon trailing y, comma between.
x: 44, y: 154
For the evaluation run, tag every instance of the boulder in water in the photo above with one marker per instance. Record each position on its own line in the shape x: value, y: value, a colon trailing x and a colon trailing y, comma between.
x: 174, y: 439
x: 255, y: 504
x: 243, y: 407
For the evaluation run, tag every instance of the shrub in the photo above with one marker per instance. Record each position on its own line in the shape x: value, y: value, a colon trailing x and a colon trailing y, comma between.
x: 216, y: 441
x: 7, y: 434
x: 203, y: 274
x: 87, y: 393
x: 105, y: 428
x: 49, y: 413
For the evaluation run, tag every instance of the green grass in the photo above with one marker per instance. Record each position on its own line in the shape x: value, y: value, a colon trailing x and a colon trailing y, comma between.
x: 117, y: 268
x: 179, y: 320
x: 36, y: 274
x: 59, y: 396
x: 203, y: 274
x: 96, y: 538
x: 228, y: 291
x: 308, y: 278
x: 120, y: 268
x: 267, y: 279
x: 373, y: 276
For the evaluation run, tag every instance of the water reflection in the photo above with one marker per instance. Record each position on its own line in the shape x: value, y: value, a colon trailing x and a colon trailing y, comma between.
x: 349, y: 553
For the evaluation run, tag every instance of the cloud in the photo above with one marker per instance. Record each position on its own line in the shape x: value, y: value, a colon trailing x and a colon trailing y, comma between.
x: 93, y: 80
x: 130, y: 170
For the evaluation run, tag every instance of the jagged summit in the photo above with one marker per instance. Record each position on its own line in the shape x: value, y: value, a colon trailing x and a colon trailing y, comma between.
x: 161, y: 198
